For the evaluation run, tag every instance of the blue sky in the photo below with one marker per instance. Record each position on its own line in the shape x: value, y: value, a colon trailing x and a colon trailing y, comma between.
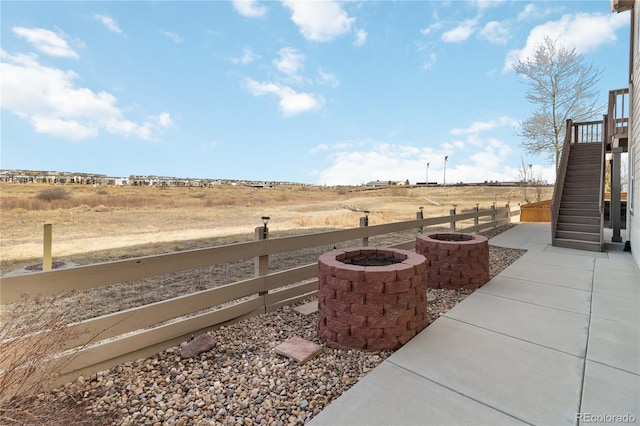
x: 317, y: 92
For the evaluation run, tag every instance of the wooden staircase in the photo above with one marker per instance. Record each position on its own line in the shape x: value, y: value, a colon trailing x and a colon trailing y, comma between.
x: 577, y: 208
x: 578, y: 223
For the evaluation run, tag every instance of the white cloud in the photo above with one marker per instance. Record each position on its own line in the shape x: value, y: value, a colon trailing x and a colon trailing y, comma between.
x: 327, y: 79
x: 477, y: 154
x: 249, y: 8
x: 533, y: 11
x: 360, y: 38
x: 495, y: 32
x: 486, y: 4
x: 290, y: 62
x: 319, y: 148
x: 108, y: 22
x: 319, y: 21
x: 584, y: 31
x: 210, y: 146
x: 164, y: 120
x: 460, y: 33
x: 176, y: 38
x: 357, y: 162
x: 247, y: 57
x: 59, y: 127
x: 49, y: 99
x: 46, y: 42
x: 529, y: 11
x: 431, y: 28
x: 482, y: 126
x: 429, y: 62
x: 291, y: 102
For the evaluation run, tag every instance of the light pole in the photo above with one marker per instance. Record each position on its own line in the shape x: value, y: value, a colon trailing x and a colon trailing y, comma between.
x: 444, y: 177
x: 265, y: 230
x: 426, y: 183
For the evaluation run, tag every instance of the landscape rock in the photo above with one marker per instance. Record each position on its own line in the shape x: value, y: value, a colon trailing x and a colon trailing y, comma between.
x: 244, y: 381
x: 202, y: 343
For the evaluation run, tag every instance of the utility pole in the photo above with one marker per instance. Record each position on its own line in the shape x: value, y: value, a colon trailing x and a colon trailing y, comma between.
x: 427, y: 181
x: 444, y: 177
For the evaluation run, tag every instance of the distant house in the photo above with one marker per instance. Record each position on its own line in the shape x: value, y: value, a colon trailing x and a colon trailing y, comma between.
x: 383, y: 183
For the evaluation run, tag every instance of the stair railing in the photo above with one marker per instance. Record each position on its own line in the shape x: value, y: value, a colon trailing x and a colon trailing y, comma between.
x: 588, y: 132
x: 603, y: 154
x: 569, y: 137
x: 618, y: 113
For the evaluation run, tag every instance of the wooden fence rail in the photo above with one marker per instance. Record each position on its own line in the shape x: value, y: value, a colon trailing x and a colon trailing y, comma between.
x: 145, y: 330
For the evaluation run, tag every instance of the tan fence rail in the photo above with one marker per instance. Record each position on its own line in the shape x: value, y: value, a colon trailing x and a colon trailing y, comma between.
x: 145, y: 330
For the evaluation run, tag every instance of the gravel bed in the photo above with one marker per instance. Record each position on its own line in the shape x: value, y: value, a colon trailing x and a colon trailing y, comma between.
x: 241, y: 381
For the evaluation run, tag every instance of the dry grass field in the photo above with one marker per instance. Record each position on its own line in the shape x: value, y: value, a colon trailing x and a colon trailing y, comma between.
x: 95, y: 224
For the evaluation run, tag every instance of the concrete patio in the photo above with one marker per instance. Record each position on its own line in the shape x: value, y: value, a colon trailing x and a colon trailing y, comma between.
x: 553, y: 339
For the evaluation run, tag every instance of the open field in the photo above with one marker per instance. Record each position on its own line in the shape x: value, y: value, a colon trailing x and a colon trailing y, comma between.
x: 94, y: 224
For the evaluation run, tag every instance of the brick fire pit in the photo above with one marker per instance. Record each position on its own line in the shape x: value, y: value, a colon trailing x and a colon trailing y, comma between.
x: 371, y: 298
x: 455, y: 260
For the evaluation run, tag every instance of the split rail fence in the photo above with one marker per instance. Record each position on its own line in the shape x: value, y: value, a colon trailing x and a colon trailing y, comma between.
x: 145, y: 330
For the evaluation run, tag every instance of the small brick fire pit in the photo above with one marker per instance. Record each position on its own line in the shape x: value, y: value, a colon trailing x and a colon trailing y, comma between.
x: 455, y: 260
x: 371, y: 298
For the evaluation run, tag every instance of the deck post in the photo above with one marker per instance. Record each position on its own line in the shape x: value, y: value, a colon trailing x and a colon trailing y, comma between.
x: 614, y: 208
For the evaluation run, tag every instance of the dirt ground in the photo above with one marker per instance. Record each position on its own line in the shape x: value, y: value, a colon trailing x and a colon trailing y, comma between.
x: 96, y: 224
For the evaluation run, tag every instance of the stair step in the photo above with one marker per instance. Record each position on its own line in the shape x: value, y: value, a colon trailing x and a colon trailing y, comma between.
x: 580, y: 198
x: 578, y: 227
x: 582, y: 177
x: 579, y: 212
x: 596, y: 146
x: 578, y: 236
x: 581, y: 184
x: 582, y: 220
x: 577, y: 205
x: 579, y: 245
x: 581, y: 191
x: 584, y: 165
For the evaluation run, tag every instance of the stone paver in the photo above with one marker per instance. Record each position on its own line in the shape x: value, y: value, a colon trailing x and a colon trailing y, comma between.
x: 307, y: 308
x: 298, y: 349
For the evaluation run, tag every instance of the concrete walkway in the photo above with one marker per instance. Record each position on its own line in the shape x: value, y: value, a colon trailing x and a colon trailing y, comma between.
x: 553, y: 339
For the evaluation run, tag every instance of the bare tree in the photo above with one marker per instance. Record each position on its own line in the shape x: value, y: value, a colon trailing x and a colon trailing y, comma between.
x: 563, y: 87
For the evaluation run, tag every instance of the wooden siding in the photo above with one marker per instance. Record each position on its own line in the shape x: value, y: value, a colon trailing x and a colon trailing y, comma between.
x: 633, y: 213
x: 536, y: 212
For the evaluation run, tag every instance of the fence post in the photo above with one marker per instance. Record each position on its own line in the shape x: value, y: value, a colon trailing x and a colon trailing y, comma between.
x: 262, y: 262
x: 476, y: 220
x: 452, y: 212
x: 364, y: 221
x: 493, y: 214
x: 46, y: 256
x: 420, y: 216
x: 508, y: 206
